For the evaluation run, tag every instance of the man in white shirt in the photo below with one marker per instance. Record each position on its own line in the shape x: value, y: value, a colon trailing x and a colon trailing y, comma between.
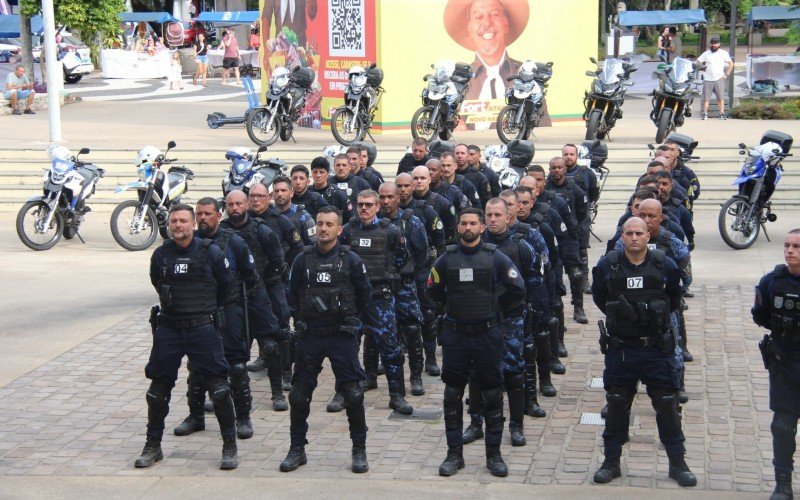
x: 18, y: 87
x: 719, y: 67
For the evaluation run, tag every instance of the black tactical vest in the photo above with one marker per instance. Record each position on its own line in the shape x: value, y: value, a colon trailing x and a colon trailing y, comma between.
x: 192, y: 288
x: 328, y: 296
x: 784, y: 316
x: 471, y: 294
x: 404, y: 225
x: 249, y: 234
x: 638, y: 305
x: 223, y: 242
x: 270, y: 218
x: 373, y: 247
x: 661, y: 242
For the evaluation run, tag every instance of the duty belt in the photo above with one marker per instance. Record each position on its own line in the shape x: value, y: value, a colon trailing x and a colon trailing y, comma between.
x: 469, y: 328
x: 185, y: 323
x: 323, y: 331
x: 654, y: 341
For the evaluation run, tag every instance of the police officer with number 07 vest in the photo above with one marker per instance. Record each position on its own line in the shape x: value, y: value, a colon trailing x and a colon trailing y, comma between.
x: 777, y: 307
x: 328, y: 290
x: 638, y: 289
x: 193, y: 280
x: 475, y: 282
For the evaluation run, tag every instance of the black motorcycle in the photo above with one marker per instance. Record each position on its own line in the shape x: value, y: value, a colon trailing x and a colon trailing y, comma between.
x: 747, y: 212
x: 604, y: 103
x: 351, y: 122
x: 285, y: 100
x: 247, y: 170
x: 672, y: 100
x: 524, y: 99
x: 441, y: 101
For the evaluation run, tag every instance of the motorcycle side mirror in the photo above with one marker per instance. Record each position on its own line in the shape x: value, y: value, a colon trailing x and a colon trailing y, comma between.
x: 171, y: 144
x: 550, y: 64
x: 631, y: 70
x: 373, y: 66
x: 593, y: 60
x: 425, y: 78
x: 262, y: 148
x: 432, y: 66
x: 742, y: 146
x: 591, y: 73
x: 741, y: 152
x: 84, y: 151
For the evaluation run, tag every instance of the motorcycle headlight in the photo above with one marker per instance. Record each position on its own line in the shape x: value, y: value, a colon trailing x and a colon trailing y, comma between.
x: 359, y: 81
x: 442, y: 89
x: 58, y: 170
x: 280, y: 82
x: 610, y: 90
x: 144, y: 171
x: 598, y: 87
x: 750, y: 168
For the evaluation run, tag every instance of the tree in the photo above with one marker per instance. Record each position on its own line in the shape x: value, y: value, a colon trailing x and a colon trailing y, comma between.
x: 93, y: 20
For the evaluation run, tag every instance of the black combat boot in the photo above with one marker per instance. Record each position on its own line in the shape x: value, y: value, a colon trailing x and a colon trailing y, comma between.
x: 279, y: 400
x: 783, y: 486
x: 260, y: 362
x: 398, y: 403
x: 285, y: 350
x: 576, y: 289
x: 397, y: 387
x: 679, y: 471
x: 607, y: 472
x: 517, y: 434
x: 337, y: 403
x: 430, y: 361
x: 545, y: 384
x: 190, y: 425
x: 294, y: 459
x: 495, y: 463
x: 415, y: 358
x: 562, y: 329
x: 473, y: 432
x: 360, y: 464
x: 453, y: 462
x: 150, y: 454
x: 230, y: 459
x: 276, y: 384
x: 195, y: 396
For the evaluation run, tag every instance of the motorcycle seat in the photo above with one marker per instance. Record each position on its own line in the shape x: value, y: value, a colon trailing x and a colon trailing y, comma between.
x: 459, y: 80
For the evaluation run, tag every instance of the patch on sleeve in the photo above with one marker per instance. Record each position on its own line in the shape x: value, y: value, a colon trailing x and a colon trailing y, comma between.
x: 512, y: 273
x: 433, y: 277
x: 227, y: 264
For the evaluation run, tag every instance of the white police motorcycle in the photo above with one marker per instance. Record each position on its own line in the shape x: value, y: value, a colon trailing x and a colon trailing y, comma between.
x: 285, y: 100
x: 441, y: 99
x: 68, y: 184
x: 524, y: 99
x: 135, y: 224
x: 351, y: 122
x: 247, y: 170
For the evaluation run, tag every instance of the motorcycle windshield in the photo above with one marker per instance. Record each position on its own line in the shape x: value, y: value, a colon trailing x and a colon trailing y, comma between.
x: 444, y: 70
x: 240, y: 168
x: 612, y: 68
x: 681, y: 70
x: 59, y: 169
x: 753, y: 168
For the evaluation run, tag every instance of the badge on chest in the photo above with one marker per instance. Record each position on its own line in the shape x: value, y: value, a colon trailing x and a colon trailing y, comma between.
x: 466, y: 275
x: 651, y: 246
x: 323, y: 277
x: 635, y: 283
x: 181, y: 266
x: 365, y: 242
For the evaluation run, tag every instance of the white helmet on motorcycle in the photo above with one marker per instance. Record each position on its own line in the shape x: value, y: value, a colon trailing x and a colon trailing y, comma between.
x: 241, y: 157
x: 56, y: 152
x: 356, y: 70
x: 147, y: 154
x: 526, y: 71
x: 509, y: 179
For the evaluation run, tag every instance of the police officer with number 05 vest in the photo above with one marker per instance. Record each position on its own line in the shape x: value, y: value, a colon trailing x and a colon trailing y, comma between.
x: 328, y: 289
x: 193, y: 281
x: 777, y: 307
x: 637, y: 289
x: 475, y: 282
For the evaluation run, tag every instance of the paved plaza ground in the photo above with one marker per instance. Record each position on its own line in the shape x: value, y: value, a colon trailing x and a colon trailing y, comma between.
x: 75, y: 341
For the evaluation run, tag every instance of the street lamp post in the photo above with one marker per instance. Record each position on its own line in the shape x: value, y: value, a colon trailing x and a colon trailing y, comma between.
x: 55, y: 74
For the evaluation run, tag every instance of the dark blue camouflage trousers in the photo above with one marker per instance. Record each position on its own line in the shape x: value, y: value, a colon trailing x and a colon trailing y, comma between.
x: 407, y: 306
x: 513, y: 329
x: 379, y: 321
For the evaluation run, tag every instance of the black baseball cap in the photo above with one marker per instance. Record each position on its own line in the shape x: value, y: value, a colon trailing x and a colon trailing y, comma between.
x: 714, y: 39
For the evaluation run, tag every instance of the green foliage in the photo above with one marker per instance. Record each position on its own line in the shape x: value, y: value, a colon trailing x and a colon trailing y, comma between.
x: 92, y: 20
x: 768, y: 109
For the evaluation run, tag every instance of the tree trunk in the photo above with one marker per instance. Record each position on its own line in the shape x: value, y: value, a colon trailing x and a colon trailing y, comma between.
x: 667, y: 4
x: 27, y: 45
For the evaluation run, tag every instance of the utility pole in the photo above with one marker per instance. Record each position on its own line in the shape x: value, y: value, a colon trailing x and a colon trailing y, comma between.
x: 731, y: 85
x: 55, y: 74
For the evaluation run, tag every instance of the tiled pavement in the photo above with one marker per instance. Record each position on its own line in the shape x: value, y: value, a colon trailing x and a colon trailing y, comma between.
x: 83, y: 414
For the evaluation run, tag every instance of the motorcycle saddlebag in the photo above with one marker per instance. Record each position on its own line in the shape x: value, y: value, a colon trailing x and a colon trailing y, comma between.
x: 372, y: 151
x: 438, y: 147
x: 463, y: 70
x: 686, y: 143
x: 374, y: 77
x: 303, y: 77
x: 520, y: 153
x: 785, y: 140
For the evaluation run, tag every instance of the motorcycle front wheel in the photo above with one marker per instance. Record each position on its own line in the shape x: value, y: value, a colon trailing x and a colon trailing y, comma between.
x: 256, y: 125
x: 507, y: 127
x: 124, y: 226
x: 31, y: 229
x: 738, y: 230
x: 421, y: 125
x: 344, y: 130
x: 664, y: 124
x: 593, y: 125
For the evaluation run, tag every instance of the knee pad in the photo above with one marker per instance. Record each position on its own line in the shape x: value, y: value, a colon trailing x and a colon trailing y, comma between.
x: 218, y: 390
x: 237, y: 370
x: 158, y: 394
x: 452, y: 394
x: 514, y: 381
x: 529, y: 353
x: 300, y: 396
x: 353, y: 395
x: 428, y: 316
x: 412, y: 330
x: 664, y: 400
x: 619, y: 398
x: 493, y: 400
x: 784, y: 425
x: 574, y: 273
x: 396, y: 360
x: 269, y: 346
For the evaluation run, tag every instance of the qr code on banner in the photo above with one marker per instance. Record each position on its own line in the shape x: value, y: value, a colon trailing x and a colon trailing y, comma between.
x: 346, y: 36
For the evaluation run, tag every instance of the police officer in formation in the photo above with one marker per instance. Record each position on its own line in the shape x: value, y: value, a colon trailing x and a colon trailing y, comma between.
x: 512, y: 321
x: 364, y: 168
x: 419, y: 155
x: 586, y: 179
x: 328, y: 290
x: 473, y: 175
x: 320, y: 172
x: 345, y: 179
x: 382, y: 248
x: 193, y: 280
x: 449, y: 176
x: 475, y: 163
x: 283, y: 195
x: 777, y: 308
x: 638, y: 289
x: 247, y: 291
x: 439, y: 185
x: 421, y: 177
x: 475, y: 283
x: 268, y: 255
x: 305, y: 198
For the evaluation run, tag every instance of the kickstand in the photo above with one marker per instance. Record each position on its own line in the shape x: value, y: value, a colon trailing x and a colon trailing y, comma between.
x: 78, y: 234
x: 370, y: 136
x: 293, y: 139
x: 764, y: 228
x: 596, y: 237
x: 535, y: 137
x: 608, y: 137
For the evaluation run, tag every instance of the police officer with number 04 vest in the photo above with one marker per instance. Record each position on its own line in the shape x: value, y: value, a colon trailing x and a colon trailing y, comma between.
x: 193, y: 281
x: 268, y: 255
x: 382, y: 248
x: 475, y: 282
x: 777, y: 307
x: 235, y: 332
x: 328, y: 290
x: 637, y: 289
